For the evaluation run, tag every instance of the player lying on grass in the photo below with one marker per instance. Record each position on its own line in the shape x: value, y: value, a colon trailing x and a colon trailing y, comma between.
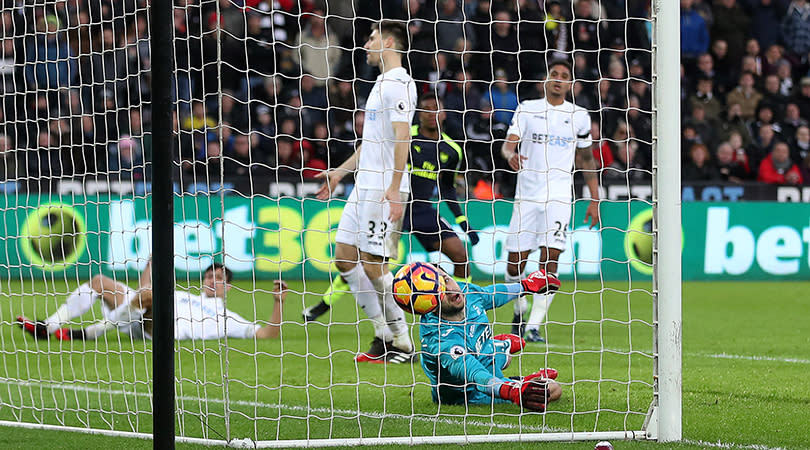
x: 465, y: 363
x: 129, y: 310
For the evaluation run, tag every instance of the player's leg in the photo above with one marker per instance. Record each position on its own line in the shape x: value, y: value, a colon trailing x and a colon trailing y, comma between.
x: 556, y: 219
x: 77, y: 303
x: 336, y: 290
x: 520, y: 242
x: 378, y: 243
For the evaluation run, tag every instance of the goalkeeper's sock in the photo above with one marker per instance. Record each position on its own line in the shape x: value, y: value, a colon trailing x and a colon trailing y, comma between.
x: 540, y: 306
x: 77, y: 303
x: 363, y: 291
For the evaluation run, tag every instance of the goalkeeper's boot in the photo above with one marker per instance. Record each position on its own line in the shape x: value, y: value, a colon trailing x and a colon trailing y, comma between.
x: 34, y: 328
x: 69, y: 334
x: 518, y: 325
x: 534, y: 336
x: 376, y: 352
x: 313, y: 312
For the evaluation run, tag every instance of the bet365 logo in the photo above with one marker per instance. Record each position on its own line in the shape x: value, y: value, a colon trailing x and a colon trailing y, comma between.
x: 53, y: 236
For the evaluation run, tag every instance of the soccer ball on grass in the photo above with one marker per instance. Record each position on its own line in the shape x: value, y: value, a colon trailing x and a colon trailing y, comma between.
x: 418, y: 288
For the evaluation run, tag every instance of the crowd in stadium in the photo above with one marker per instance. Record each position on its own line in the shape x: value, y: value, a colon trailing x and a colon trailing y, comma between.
x: 277, y: 87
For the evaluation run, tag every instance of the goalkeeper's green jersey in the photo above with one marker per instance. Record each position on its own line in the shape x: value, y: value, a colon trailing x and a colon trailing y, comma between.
x: 460, y: 358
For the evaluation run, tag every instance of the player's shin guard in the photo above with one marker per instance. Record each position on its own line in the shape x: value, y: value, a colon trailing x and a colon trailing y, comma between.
x: 366, y: 296
x: 77, y: 303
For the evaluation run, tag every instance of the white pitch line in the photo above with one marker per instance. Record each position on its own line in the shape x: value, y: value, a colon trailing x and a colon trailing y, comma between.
x: 719, y: 444
x: 342, y: 413
x: 692, y: 354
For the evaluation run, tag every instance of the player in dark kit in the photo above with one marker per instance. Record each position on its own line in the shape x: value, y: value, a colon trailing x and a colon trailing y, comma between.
x: 434, y: 162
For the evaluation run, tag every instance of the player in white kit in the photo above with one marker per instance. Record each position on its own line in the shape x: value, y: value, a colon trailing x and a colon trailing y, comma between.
x: 545, y: 139
x: 197, y: 316
x: 369, y: 229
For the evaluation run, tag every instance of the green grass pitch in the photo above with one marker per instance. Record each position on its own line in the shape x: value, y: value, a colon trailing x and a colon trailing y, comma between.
x: 745, y: 370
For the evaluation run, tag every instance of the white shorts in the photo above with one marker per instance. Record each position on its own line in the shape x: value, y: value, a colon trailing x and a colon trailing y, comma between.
x: 133, y: 326
x: 364, y: 223
x: 538, y: 224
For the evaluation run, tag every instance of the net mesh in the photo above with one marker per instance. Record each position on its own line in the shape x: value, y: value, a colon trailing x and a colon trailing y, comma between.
x: 268, y: 94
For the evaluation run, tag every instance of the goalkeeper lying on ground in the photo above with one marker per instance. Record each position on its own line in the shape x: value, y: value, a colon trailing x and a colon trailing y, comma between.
x: 465, y: 363
x: 129, y: 310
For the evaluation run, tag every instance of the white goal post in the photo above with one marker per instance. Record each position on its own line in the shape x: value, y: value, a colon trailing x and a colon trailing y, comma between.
x: 266, y: 94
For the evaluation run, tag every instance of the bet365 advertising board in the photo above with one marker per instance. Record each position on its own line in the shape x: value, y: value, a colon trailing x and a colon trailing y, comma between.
x: 267, y: 238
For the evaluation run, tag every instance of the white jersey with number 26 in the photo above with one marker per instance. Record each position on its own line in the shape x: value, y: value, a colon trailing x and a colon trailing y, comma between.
x: 392, y: 99
x: 549, y: 136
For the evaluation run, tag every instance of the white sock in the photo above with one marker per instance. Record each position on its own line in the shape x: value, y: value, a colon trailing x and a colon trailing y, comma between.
x: 403, y: 342
x: 97, y: 329
x: 521, y: 304
x: 540, y: 306
x: 77, y: 303
x: 366, y: 297
x: 394, y: 315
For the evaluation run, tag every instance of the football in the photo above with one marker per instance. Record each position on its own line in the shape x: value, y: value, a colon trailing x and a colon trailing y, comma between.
x: 418, y: 288
x: 54, y: 233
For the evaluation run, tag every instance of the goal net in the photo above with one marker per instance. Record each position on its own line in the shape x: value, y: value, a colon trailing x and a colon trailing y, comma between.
x: 267, y: 94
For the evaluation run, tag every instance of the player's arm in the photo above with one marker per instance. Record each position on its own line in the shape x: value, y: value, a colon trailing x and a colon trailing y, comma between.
x: 331, y: 178
x: 585, y: 161
x: 510, y: 154
x: 273, y: 328
x: 402, y: 148
x: 145, y: 280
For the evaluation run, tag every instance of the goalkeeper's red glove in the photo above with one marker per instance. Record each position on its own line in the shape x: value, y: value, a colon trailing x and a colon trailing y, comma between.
x: 530, y: 393
x: 539, y: 283
x: 543, y: 373
x: 516, y: 343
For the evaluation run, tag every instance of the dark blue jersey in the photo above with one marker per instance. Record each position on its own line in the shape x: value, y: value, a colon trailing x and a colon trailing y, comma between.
x: 461, y: 359
x: 433, y: 166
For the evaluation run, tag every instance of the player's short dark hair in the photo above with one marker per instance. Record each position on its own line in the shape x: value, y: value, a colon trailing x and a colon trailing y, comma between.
x: 561, y: 62
x: 430, y: 95
x: 396, y: 30
x: 216, y: 265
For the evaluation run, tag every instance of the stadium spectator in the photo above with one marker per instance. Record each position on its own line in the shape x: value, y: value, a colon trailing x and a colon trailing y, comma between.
x: 800, y: 146
x: 792, y: 119
x: 8, y: 163
x: 746, y: 95
x: 784, y: 70
x: 772, y: 96
x: 450, y: 25
x: 50, y: 63
x: 314, y: 102
x: 802, y: 98
x: 625, y: 167
x: 243, y: 160
x: 260, y: 54
x: 698, y: 165
x: 342, y: 105
x: 317, y: 50
x: 767, y: 16
x: 556, y: 30
x: 125, y: 159
x: 586, y: 33
x: 774, y: 55
x: 602, y: 152
x: 198, y: 317
x: 731, y: 25
x: 796, y: 29
x: 532, y: 49
x: 704, y: 96
x: 725, y: 68
x: 694, y: 34
x: 762, y: 146
x: 778, y: 168
x: 461, y: 103
x: 501, y: 97
x: 765, y: 116
x: 728, y: 168
x: 705, y: 129
x: 740, y: 152
x: 498, y: 48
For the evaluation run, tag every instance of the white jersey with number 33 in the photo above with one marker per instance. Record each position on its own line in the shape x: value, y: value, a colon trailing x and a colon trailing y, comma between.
x: 392, y: 99
x: 549, y: 136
